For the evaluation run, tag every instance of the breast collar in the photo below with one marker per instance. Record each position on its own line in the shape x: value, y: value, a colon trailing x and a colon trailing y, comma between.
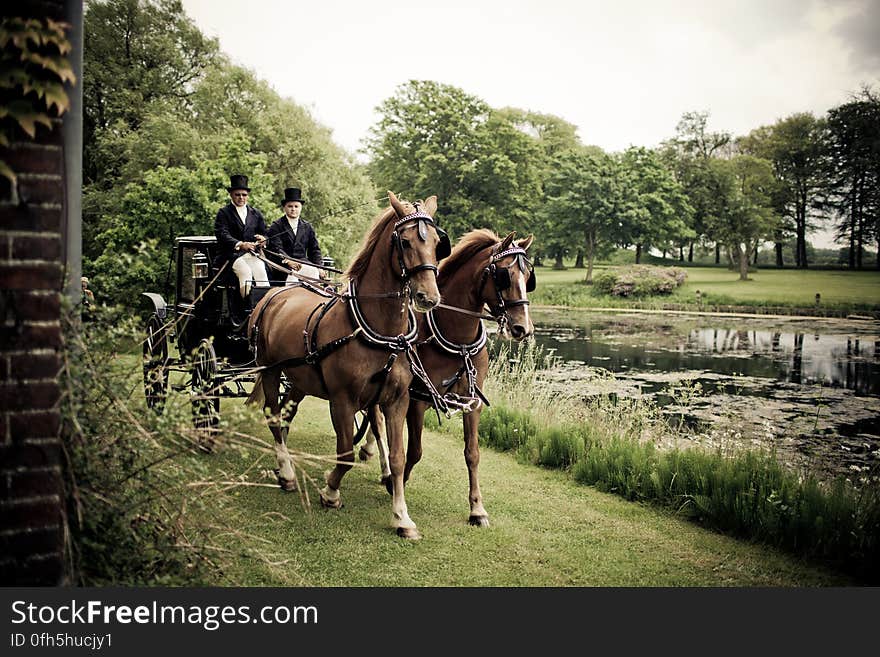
x: 454, y: 348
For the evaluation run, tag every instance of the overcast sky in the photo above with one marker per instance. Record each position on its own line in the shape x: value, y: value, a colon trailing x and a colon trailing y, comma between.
x: 622, y: 71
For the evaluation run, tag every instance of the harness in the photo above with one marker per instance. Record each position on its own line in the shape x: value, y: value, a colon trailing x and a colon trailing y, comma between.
x: 501, y: 278
x: 404, y: 343
x: 475, y: 396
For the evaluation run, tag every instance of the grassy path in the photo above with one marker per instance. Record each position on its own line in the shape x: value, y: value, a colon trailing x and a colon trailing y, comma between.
x: 546, y: 530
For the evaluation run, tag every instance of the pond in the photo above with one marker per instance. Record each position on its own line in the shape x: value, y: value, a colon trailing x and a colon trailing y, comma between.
x: 809, y: 388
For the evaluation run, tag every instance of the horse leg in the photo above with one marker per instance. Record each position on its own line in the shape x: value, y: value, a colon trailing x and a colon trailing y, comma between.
x: 415, y: 419
x: 368, y: 449
x: 379, y: 442
x: 394, y: 417
x: 471, y: 422
x: 271, y: 382
x: 342, y: 413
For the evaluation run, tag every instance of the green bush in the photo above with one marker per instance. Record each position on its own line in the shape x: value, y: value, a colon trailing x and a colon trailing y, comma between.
x: 506, y: 429
x: 638, y: 281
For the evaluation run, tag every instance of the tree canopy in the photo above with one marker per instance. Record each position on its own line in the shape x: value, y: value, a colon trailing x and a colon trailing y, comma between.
x: 168, y: 119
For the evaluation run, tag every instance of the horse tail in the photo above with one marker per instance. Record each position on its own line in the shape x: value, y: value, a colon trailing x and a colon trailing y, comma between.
x: 258, y: 395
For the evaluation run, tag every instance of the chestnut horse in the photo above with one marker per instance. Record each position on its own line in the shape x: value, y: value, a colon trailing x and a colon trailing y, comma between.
x: 356, y: 349
x: 483, y: 270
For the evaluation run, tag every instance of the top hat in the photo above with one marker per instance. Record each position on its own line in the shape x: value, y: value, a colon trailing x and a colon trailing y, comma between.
x: 292, y: 194
x: 238, y: 182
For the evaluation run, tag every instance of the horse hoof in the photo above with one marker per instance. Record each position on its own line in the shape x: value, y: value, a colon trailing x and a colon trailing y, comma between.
x: 206, y: 445
x: 409, y: 533
x: 389, y: 486
x: 286, y: 484
x: 364, y: 455
x: 331, y: 504
x: 479, y: 521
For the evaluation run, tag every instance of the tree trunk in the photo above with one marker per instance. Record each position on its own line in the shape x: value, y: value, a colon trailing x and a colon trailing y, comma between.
x: 779, y: 254
x: 860, y: 238
x: 559, y: 264
x: 681, y: 253
x: 742, y: 252
x: 579, y: 261
x: 852, y: 231
x: 801, y: 230
x: 691, y: 252
x: 591, y: 252
x: 638, y: 253
x: 717, y: 253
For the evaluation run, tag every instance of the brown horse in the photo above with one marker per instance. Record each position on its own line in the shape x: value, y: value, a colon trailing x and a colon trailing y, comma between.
x: 483, y: 270
x: 354, y: 349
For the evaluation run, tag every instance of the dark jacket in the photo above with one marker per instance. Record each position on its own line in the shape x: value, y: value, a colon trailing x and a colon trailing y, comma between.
x: 303, y: 247
x: 230, y: 231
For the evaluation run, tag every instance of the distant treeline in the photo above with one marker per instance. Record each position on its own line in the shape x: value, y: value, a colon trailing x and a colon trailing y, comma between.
x: 167, y: 119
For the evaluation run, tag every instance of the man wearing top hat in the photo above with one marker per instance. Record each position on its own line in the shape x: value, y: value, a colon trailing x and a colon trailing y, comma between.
x: 293, y: 237
x: 240, y: 229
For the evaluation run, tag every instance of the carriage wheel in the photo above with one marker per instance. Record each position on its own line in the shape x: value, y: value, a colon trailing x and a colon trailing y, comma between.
x: 155, y: 349
x: 205, y: 400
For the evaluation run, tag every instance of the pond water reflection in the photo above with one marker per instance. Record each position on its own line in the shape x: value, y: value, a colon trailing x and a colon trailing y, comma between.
x: 840, y: 360
x: 809, y: 387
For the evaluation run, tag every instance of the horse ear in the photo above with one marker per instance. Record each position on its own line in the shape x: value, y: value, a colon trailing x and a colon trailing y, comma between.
x: 524, y: 244
x: 398, y: 207
x: 431, y: 205
x: 507, y: 242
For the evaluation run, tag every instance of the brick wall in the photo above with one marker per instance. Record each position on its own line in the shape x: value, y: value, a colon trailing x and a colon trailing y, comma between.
x: 31, y: 231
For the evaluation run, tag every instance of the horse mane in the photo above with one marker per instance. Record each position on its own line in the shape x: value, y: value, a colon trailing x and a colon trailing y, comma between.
x: 467, y: 247
x: 360, y: 262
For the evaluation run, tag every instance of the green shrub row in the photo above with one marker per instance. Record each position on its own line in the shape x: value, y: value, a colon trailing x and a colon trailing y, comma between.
x: 747, y: 493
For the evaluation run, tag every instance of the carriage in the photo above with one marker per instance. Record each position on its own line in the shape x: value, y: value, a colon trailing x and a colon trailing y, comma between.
x: 213, y: 352
x: 369, y: 355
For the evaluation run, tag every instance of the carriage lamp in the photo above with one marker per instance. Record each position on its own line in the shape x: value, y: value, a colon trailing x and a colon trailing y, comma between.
x: 199, y: 266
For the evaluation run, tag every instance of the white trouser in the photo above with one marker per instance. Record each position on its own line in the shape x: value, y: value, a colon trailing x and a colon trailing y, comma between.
x: 250, y: 270
x: 304, y: 270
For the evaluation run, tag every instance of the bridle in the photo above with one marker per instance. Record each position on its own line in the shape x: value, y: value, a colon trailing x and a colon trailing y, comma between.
x: 500, y: 277
x: 418, y: 219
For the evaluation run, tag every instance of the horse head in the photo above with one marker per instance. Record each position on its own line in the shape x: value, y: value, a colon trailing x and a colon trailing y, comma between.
x: 507, y: 280
x: 417, y: 245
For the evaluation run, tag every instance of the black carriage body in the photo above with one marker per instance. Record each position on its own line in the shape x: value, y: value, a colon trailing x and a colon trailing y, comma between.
x: 215, y: 357
x: 201, y: 302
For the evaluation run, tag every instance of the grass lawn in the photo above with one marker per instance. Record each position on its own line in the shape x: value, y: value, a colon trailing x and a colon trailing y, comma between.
x: 771, y: 287
x: 546, y: 530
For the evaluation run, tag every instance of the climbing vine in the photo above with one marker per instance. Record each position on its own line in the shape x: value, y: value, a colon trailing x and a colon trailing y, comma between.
x: 34, y: 69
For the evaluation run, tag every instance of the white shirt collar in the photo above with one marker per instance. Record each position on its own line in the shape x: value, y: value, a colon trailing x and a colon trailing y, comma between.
x: 242, y: 212
x: 294, y: 223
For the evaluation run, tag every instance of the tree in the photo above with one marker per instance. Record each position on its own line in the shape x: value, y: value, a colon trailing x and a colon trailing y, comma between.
x: 689, y: 155
x: 654, y: 209
x: 582, y: 199
x: 160, y: 169
x: 747, y: 216
x: 436, y: 139
x: 795, y: 147
x: 137, y: 53
x: 854, y: 163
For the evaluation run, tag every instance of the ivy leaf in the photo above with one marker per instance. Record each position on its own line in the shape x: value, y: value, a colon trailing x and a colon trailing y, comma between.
x: 55, y: 95
x: 26, y: 117
x: 6, y: 172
